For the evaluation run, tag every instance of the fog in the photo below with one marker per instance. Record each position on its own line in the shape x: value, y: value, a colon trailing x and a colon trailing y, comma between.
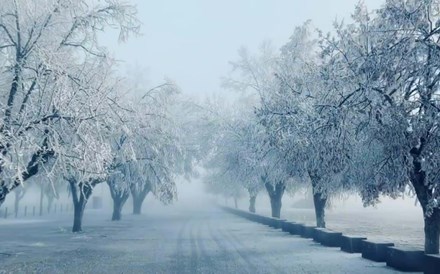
x: 193, y: 41
x: 220, y: 136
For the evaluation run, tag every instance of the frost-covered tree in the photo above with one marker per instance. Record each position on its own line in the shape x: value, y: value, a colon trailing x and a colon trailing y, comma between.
x: 301, y: 121
x: 385, y: 71
x: 147, y: 152
x: 233, y: 162
x: 48, y: 55
x: 161, y: 153
x: 299, y: 131
x: 251, y: 76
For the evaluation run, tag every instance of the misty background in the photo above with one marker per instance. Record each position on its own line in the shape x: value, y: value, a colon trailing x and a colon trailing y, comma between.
x: 191, y: 42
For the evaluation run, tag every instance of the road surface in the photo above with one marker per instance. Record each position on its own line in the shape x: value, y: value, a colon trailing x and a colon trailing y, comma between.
x: 174, y: 240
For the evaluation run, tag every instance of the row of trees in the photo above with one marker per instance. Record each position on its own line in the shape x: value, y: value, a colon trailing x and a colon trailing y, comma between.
x: 356, y: 110
x: 67, y: 117
x: 48, y: 192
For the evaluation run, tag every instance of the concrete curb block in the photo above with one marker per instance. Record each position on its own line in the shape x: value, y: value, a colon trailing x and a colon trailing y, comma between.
x: 375, y: 251
x: 291, y: 227
x: 286, y: 226
x: 267, y: 221
x: 318, y: 234
x: 276, y: 223
x: 327, y: 237
x: 431, y: 264
x: 307, y: 231
x: 297, y: 228
x: 352, y: 244
x: 405, y: 259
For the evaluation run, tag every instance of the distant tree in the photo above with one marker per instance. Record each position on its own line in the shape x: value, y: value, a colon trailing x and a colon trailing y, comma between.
x: 52, y: 191
x: 238, y: 157
x: 257, y: 75
x: 118, y: 191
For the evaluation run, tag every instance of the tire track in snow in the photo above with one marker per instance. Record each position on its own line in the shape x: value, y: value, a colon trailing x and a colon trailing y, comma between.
x: 227, y: 250
x: 194, y: 254
x: 179, y: 260
x: 205, y: 261
x: 239, y: 245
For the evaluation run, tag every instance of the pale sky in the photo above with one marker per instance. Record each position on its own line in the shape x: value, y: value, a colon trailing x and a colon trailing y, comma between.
x: 192, y: 41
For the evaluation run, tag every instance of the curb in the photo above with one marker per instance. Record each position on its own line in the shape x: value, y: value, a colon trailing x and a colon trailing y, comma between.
x: 404, y: 259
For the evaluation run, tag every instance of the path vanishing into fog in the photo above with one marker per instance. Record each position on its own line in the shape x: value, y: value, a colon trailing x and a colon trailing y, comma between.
x: 172, y: 240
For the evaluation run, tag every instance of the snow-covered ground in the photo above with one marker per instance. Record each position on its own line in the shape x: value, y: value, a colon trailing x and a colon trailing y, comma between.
x: 398, y: 221
x: 175, y: 239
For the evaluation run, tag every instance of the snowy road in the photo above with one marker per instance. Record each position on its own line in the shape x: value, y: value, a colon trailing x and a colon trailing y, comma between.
x: 171, y: 241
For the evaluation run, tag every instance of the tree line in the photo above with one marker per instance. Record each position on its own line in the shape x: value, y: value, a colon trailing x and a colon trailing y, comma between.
x: 356, y: 110
x: 69, y: 118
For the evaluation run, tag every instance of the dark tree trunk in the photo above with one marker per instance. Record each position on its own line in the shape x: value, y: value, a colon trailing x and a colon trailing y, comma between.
x: 3, y: 192
x: 80, y: 195
x: 319, y: 201
x: 235, y: 202
x: 424, y: 195
x: 137, y: 206
x: 118, y: 203
x: 432, y: 232
x: 117, y: 209
x: 275, y: 194
x: 431, y: 218
x: 138, y: 196
x: 252, y: 203
x: 119, y: 196
x: 78, y: 209
x: 275, y: 204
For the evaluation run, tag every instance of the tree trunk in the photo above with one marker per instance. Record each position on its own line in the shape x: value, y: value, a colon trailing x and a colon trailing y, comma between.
x: 3, y: 193
x: 138, y: 196
x: 80, y: 196
x: 78, y: 209
x: 275, y: 194
x: 117, y: 210
x: 275, y: 204
x: 432, y: 232
x: 235, y: 202
x: 425, y: 195
x: 118, y: 203
x: 119, y: 197
x: 137, y: 206
x: 319, y: 201
x: 252, y: 203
